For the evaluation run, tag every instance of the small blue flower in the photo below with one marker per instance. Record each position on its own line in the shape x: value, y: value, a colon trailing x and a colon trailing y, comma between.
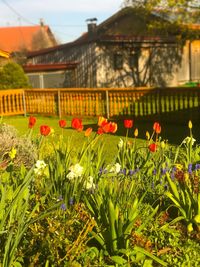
x: 163, y: 171
x: 123, y: 171
x: 63, y: 206
x: 172, y: 176
x: 71, y: 201
x: 197, y: 166
x: 100, y: 171
x: 190, y: 168
x: 131, y: 172
x: 154, y: 171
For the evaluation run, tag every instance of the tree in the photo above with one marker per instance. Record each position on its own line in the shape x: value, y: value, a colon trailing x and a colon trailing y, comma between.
x: 164, y: 4
x: 12, y: 76
x: 176, y: 12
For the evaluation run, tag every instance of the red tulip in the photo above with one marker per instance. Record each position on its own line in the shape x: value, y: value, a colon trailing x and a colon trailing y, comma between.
x: 153, y: 147
x: 113, y: 127
x: 102, y: 121
x: 109, y: 127
x: 62, y: 123
x: 157, y: 127
x: 128, y: 124
x: 106, y: 127
x: 45, y: 130
x: 100, y: 131
x: 32, y: 121
x: 77, y: 124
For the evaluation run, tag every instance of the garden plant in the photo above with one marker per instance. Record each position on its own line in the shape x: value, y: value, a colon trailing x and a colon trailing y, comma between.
x: 62, y: 203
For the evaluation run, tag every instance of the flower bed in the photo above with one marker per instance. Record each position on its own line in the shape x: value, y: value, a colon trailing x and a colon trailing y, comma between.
x: 62, y: 205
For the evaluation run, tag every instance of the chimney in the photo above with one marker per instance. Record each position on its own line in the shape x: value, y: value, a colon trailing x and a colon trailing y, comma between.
x: 91, y: 24
x: 41, y: 22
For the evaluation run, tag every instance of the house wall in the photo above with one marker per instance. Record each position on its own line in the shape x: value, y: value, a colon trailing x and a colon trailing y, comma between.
x: 159, y: 64
x: 83, y: 54
x: 195, y: 60
x: 189, y: 69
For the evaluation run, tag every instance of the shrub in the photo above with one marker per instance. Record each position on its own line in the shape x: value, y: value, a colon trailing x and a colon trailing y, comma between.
x: 12, y: 76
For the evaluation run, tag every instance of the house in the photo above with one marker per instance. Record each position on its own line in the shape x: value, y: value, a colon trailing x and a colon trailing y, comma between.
x: 127, y: 51
x: 26, y: 38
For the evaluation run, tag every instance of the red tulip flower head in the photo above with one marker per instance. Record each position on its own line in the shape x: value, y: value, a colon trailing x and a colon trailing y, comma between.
x: 102, y: 121
x: 100, y: 131
x: 128, y: 124
x: 157, y: 127
x: 45, y: 130
x: 109, y: 127
x: 153, y: 147
x: 62, y: 123
x: 32, y: 121
x: 77, y: 124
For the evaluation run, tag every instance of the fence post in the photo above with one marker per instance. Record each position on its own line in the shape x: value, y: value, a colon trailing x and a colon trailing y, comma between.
x: 24, y: 103
x: 107, y: 105
x: 59, y: 106
x: 159, y: 104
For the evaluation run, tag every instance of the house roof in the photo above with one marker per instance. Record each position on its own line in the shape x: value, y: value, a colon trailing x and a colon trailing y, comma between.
x: 49, y: 67
x: 21, y: 37
x: 128, y: 32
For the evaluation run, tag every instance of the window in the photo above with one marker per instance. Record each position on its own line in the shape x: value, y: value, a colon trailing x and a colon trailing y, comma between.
x: 118, y: 61
x: 133, y: 61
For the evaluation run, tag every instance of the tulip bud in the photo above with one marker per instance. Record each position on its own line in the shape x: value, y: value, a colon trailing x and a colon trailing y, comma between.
x: 136, y: 132
x: 190, y: 124
x: 190, y: 227
x: 162, y: 144
x: 147, y: 135
x: 197, y: 218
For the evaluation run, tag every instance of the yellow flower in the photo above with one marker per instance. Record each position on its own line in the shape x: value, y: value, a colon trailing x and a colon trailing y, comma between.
x: 136, y: 132
x: 162, y: 144
x: 197, y: 218
x: 52, y: 132
x: 12, y: 153
x: 190, y: 124
x: 147, y: 135
x: 190, y: 227
x: 179, y: 166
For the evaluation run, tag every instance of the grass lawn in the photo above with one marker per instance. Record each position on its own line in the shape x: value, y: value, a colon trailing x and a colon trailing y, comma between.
x: 173, y: 132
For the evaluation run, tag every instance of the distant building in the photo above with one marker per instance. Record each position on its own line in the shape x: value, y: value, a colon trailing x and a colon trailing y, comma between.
x: 123, y: 52
x: 26, y: 38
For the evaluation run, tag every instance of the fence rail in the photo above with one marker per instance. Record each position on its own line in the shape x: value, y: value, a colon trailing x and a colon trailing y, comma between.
x: 173, y: 103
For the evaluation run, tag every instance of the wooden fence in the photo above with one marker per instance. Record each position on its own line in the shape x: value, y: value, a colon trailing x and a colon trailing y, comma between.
x: 174, y: 103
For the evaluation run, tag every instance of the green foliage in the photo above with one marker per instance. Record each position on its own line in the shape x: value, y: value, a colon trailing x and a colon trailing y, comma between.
x: 71, y: 209
x: 12, y: 76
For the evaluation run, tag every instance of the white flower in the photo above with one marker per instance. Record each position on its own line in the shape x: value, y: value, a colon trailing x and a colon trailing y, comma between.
x: 121, y: 143
x: 89, y: 184
x: 39, y: 167
x: 189, y: 139
x: 75, y: 171
x: 116, y: 168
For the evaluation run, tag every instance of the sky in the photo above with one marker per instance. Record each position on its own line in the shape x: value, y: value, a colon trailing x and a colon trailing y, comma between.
x: 66, y: 18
